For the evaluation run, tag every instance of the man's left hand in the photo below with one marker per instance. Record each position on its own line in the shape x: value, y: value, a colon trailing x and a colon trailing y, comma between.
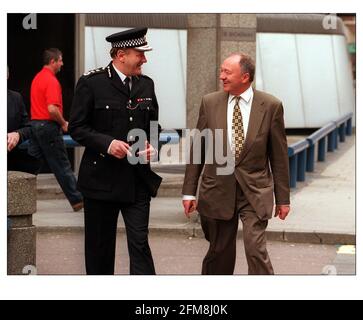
x: 13, y: 140
x: 282, y: 211
x: 149, y: 152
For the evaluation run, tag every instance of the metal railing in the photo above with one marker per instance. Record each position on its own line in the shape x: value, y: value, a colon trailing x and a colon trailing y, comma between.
x: 302, y: 153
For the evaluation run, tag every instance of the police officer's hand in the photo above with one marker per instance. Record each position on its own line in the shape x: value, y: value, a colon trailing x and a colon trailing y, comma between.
x: 282, y: 211
x: 13, y: 140
x: 189, y: 207
x: 119, y: 149
x: 149, y: 152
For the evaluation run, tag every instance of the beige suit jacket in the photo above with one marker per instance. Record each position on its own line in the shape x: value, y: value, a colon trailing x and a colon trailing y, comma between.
x: 262, y: 169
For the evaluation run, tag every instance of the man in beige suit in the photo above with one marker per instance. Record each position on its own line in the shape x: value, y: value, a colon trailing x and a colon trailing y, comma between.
x: 254, y: 138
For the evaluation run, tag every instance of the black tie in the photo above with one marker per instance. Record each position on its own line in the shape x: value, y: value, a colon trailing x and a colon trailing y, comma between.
x: 127, y: 84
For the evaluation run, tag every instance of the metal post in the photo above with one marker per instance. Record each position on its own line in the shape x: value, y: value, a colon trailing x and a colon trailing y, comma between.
x: 349, y: 127
x: 336, y: 133
x: 321, y: 149
x: 342, y: 132
x: 310, y: 159
x: 301, y: 165
x: 331, y: 141
x: 293, y: 170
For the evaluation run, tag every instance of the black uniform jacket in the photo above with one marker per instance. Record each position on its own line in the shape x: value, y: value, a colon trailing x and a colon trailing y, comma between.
x: 102, y: 111
x: 17, y: 116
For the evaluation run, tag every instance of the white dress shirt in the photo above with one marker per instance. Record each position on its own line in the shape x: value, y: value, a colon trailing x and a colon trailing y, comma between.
x: 122, y: 76
x: 245, y: 104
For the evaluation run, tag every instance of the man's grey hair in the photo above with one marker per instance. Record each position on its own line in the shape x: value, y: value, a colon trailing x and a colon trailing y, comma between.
x: 247, y: 64
x: 114, y: 51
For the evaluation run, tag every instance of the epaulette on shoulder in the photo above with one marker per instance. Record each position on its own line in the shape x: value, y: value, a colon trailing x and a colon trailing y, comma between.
x: 95, y: 71
x: 145, y: 77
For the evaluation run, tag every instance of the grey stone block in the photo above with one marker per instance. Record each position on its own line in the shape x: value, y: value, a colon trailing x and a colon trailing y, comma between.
x: 21, y: 221
x: 202, y: 69
x: 238, y: 20
x: 21, y: 250
x: 21, y: 234
x: 228, y: 47
x: 203, y: 20
x: 21, y: 193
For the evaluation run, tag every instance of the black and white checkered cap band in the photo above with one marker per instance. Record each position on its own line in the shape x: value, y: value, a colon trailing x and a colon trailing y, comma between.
x: 130, y: 43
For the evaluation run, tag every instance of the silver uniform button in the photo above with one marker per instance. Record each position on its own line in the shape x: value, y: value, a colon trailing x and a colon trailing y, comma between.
x: 94, y: 162
x: 131, y: 119
x: 107, y: 107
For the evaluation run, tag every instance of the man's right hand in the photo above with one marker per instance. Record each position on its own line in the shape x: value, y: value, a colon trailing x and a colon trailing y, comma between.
x: 189, y: 207
x: 119, y: 149
x: 13, y: 140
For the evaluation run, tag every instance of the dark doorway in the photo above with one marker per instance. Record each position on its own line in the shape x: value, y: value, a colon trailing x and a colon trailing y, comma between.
x: 24, y: 53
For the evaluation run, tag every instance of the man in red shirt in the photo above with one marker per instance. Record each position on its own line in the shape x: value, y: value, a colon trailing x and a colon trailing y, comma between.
x: 48, y: 124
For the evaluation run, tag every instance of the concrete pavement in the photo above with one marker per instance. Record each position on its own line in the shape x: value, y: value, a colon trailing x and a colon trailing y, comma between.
x: 62, y: 253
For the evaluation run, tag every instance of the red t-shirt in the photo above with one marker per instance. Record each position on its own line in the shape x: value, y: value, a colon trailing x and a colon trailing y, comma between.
x: 45, y: 90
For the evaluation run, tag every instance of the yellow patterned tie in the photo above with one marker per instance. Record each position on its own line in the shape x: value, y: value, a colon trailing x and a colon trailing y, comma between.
x: 238, y: 135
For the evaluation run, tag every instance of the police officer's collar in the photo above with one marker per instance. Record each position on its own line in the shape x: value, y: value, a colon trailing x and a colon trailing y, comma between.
x: 118, y: 72
x: 121, y: 75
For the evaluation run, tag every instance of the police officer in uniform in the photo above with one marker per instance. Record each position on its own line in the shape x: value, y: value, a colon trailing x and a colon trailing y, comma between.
x: 108, y: 103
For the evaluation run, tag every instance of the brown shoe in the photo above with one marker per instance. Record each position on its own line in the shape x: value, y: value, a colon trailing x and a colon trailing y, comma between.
x: 78, y: 206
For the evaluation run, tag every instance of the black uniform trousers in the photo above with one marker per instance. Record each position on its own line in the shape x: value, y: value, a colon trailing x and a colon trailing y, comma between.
x: 222, y: 235
x: 101, y: 229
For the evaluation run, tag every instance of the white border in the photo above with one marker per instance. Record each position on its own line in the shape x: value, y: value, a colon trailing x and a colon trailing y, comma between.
x: 173, y: 287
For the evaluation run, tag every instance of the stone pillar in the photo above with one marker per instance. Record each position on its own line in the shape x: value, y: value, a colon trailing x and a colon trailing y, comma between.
x: 202, y: 63
x: 211, y: 38
x: 237, y: 33
x: 79, y: 44
x: 21, y: 232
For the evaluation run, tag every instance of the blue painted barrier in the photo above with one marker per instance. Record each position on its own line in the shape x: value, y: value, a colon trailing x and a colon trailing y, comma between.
x: 336, y: 133
x: 349, y: 127
x: 169, y: 137
x: 319, y: 137
x: 331, y: 141
x: 302, y: 153
x: 69, y: 142
x: 293, y: 171
x: 297, y: 153
x: 344, y: 126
